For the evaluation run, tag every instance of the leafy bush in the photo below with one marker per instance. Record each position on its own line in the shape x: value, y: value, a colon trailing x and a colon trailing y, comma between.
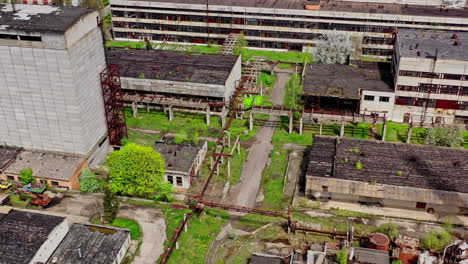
x: 435, y: 240
x: 359, y: 165
x: 445, y: 137
x: 111, y: 204
x: 392, y: 230
x: 342, y: 256
x: 89, y: 182
x: 26, y: 176
x: 397, y: 262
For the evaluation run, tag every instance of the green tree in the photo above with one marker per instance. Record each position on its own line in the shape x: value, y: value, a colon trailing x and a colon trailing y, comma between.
x: 241, y: 43
x: 135, y: 170
x: 445, y: 137
x: 26, y: 176
x: 89, y: 182
x: 111, y: 204
x: 164, y: 191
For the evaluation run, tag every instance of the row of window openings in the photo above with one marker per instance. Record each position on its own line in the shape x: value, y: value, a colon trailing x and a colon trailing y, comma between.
x: 432, y: 103
x: 384, y: 99
x: 435, y: 88
x: 19, y: 37
x: 434, y: 75
x: 178, y: 180
x: 261, y: 14
x: 54, y: 183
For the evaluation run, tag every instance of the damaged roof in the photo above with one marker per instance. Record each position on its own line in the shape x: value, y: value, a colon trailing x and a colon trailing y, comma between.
x: 40, y: 18
x: 6, y: 155
x: 23, y: 233
x: 178, y: 156
x: 343, y: 81
x: 399, y: 164
x: 46, y: 164
x: 173, y: 66
x: 429, y: 43
x: 96, y: 244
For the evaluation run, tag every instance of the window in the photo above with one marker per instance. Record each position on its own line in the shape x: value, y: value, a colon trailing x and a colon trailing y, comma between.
x: 179, y: 181
x: 384, y: 99
x: 11, y: 178
x: 54, y: 183
x: 325, y: 188
x: 170, y: 179
x: 420, y: 205
x: 369, y: 97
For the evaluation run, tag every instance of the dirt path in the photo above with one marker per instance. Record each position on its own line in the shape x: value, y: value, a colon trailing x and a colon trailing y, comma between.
x: 245, y: 192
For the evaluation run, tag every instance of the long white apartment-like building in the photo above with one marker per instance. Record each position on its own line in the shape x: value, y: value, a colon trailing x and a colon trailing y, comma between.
x: 287, y: 24
x: 431, y: 77
x: 50, y: 88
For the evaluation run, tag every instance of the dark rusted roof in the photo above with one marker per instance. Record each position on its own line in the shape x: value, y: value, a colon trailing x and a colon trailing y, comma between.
x: 399, y: 164
x: 40, y: 18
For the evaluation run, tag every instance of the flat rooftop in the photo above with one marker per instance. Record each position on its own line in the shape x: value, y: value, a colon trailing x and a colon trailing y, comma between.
x: 46, y: 164
x: 40, y: 18
x: 426, y: 44
x: 371, y: 256
x: 98, y: 245
x: 333, y: 5
x: 6, y: 155
x: 420, y: 166
x: 22, y: 234
x: 344, y: 81
x: 178, y: 157
x: 173, y: 66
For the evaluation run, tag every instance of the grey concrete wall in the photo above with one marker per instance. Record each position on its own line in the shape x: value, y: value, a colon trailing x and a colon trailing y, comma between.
x: 50, y: 98
x: 233, y: 79
x: 186, y: 88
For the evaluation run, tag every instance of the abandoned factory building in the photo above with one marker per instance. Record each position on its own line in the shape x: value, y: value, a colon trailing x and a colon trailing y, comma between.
x: 346, y: 89
x: 390, y: 174
x: 169, y: 73
x: 183, y: 161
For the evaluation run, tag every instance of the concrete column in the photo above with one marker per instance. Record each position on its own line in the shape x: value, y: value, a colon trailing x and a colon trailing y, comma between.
x: 223, y: 116
x: 211, y: 162
x: 300, y: 125
x: 229, y: 138
x: 321, y: 128
x: 251, y: 120
x: 384, y: 130
x: 261, y: 88
x: 229, y: 168
x: 238, y: 147
x: 208, y: 115
x: 290, y: 123
x: 171, y: 113
x: 177, y: 244
x: 147, y: 108
x: 165, y: 109
x: 408, y: 136
x: 342, y: 129
x: 134, y: 109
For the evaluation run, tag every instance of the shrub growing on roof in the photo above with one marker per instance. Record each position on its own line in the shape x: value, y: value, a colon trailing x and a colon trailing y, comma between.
x: 26, y: 176
x: 89, y: 182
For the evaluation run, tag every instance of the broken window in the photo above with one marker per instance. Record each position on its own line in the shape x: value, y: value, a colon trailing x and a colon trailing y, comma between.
x: 11, y: 178
x: 369, y: 97
x: 384, y: 99
x: 170, y: 179
x: 54, y: 183
x: 179, y: 181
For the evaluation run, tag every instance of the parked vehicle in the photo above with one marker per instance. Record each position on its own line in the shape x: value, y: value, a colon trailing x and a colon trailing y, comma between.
x: 34, y: 188
x: 41, y: 200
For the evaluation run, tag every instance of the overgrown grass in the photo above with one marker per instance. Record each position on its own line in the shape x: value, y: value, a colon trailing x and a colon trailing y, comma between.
x: 141, y: 139
x: 237, y: 162
x: 132, y: 225
x: 293, y: 92
x: 17, y: 202
x: 266, y: 79
x: 202, y: 230
x: 285, y: 66
x: 281, y: 137
x: 286, y: 56
x: 167, y: 46
x: 436, y: 240
x: 372, y: 59
x: 272, y: 180
x: 256, y: 221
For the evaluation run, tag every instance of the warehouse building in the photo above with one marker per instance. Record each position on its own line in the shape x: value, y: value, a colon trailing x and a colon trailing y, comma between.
x: 86, y: 243
x: 168, y: 73
x: 284, y: 25
x: 431, y: 75
x: 418, y: 177
x: 183, y: 161
x: 27, y: 237
x: 50, y: 93
x: 339, y: 89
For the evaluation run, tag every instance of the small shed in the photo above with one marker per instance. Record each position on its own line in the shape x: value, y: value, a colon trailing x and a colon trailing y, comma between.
x: 371, y: 256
